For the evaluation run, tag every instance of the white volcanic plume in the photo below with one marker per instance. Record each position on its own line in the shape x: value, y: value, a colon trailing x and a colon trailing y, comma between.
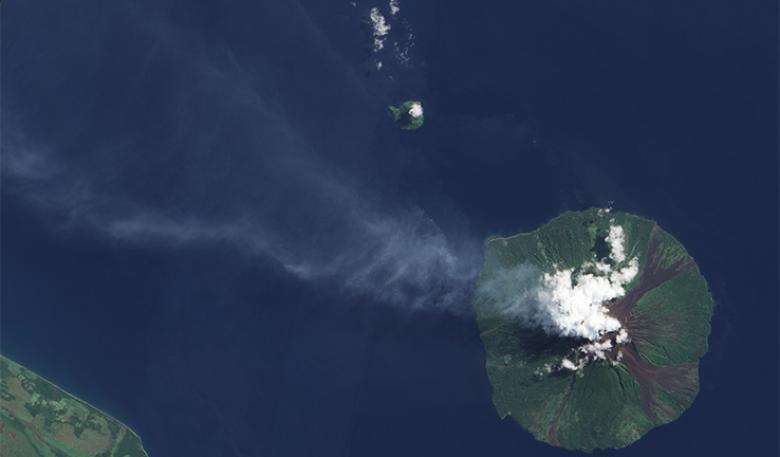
x: 568, y: 302
x: 573, y: 305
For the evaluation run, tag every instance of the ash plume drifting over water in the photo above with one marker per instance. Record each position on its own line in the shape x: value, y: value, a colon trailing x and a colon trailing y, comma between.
x: 315, y: 226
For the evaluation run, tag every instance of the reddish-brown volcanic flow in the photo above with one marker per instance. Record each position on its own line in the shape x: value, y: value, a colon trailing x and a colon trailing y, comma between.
x: 678, y: 381
x: 652, y: 276
x: 551, y: 435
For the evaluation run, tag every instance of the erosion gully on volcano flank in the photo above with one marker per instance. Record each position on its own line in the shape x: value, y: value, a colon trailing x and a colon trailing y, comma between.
x: 641, y: 371
x: 680, y: 379
x: 671, y: 378
x: 551, y: 435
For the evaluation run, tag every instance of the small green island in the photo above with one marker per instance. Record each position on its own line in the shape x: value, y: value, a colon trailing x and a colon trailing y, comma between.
x: 408, y: 115
x: 593, y: 327
x: 38, y: 419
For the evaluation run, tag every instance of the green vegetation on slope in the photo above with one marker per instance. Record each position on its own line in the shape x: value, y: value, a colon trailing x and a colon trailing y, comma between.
x: 667, y: 334
x: 666, y: 310
x: 402, y: 117
x: 38, y: 419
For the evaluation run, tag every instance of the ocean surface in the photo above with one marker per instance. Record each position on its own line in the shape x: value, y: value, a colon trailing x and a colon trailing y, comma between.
x: 211, y: 347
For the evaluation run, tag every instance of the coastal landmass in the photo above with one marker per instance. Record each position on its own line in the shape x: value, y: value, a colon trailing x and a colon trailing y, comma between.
x: 638, y: 370
x: 39, y: 419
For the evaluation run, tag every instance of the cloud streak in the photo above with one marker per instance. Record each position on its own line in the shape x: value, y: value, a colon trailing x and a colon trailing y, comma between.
x: 329, y: 231
x: 200, y: 144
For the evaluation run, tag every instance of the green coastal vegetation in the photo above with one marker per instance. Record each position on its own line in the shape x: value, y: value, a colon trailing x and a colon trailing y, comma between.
x: 666, y: 310
x: 38, y: 419
x: 408, y: 115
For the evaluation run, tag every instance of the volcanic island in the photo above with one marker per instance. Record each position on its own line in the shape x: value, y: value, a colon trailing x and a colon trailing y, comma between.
x: 593, y: 327
x: 37, y: 418
x: 408, y: 115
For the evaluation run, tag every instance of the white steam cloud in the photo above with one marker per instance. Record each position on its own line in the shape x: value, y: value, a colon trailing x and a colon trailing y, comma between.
x: 569, y: 302
x: 416, y: 110
x: 573, y: 305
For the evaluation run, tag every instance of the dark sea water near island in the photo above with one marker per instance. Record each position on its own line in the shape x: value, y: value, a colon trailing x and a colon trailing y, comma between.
x: 532, y: 108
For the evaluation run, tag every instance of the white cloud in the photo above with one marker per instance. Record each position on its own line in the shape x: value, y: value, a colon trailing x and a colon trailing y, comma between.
x: 618, y: 358
x: 402, y: 41
x: 617, y: 240
x: 569, y: 365
x: 416, y: 110
x: 544, y: 370
x: 380, y: 28
x: 395, y: 7
x: 626, y: 274
x: 575, y: 303
x: 567, y: 302
x: 561, y: 303
x: 23, y: 158
x: 577, y: 309
x: 597, y: 349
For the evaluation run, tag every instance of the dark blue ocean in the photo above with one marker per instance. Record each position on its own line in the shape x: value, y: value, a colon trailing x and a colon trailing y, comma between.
x: 207, y: 348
